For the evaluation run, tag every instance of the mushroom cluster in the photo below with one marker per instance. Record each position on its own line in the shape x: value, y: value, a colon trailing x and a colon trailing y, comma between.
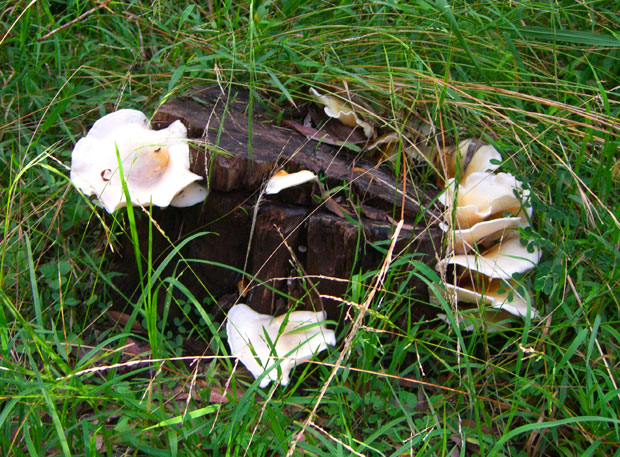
x: 274, y: 345
x: 484, y: 210
x: 154, y: 164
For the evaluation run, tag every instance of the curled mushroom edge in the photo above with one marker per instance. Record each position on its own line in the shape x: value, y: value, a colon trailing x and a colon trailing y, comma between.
x: 482, y: 196
x: 496, y: 293
x: 342, y: 110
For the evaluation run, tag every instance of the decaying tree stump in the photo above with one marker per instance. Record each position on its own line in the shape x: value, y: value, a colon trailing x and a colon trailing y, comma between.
x: 300, y: 247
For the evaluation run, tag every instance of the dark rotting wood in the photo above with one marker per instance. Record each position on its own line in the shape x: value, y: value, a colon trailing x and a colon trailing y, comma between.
x: 295, y: 234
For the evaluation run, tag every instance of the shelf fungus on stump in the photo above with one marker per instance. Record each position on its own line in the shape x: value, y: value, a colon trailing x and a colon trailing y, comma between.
x: 483, y: 213
x: 502, y: 261
x: 154, y: 164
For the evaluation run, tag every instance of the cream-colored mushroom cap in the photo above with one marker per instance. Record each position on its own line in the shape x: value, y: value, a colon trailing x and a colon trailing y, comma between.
x: 484, y: 195
x: 493, y: 293
x: 155, y: 163
x: 501, y: 261
x: 482, y: 160
x: 470, y: 319
x: 296, y: 342
x: 341, y: 110
x: 282, y: 180
x: 466, y: 240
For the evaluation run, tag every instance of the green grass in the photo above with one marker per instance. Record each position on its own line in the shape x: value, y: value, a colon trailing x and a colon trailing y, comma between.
x: 539, y: 80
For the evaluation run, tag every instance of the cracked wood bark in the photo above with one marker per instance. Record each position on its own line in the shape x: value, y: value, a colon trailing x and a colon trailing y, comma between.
x: 299, y: 250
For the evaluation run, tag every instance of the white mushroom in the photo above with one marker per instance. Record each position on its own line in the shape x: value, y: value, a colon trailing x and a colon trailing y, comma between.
x: 155, y: 163
x: 282, y: 180
x: 385, y: 139
x: 484, y: 208
x: 341, y: 110
x: 484, y: 195
x: 501, y: 261
x: 492, y: 292
x: 259, y: 340
x: 469, y: 319
x: 469, y: 156
x: 384, y: 147
x: 466, y: 240
x: 482, y: 159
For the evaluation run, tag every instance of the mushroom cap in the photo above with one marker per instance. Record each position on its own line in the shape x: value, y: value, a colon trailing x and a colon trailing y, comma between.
x: 466, y: 239
x: 501, y: 261
x: 386, y: 138
x: 335, y: 107
x: 484, y: 195
x: 492, y: 320
x: 283, y: 180
x: 340, y: 109
x: 301, y: 338
x: 493, y: 293
x: 155, y: 163
x: 102, y: 127
x: 482, y: 160
x: 470, y: 156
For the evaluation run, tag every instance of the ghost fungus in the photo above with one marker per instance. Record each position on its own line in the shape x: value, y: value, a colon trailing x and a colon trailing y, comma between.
x: 283, y: 180
x: 501, y: 261
x: 469, y: 319
x: 470, y: 156
x: 259, y: 340
x: 484, y: 211
x: 480, y: 234
x: 484, y: 196
x: 343, y: 111
x: 496, y: 293
x: 155, y: 163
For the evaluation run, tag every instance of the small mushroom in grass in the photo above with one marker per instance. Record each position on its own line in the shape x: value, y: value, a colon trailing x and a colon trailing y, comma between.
x: 482, y: 196
x: 502, y: 261
x: 282, y: 180
x: 259, y: 340
x: 342, y: 110
x: 155, y: 163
